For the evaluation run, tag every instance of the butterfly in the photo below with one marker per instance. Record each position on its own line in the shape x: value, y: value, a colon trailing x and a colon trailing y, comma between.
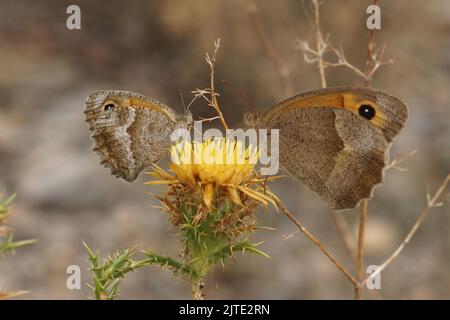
x: 335, y: 140
x: 130, y: 131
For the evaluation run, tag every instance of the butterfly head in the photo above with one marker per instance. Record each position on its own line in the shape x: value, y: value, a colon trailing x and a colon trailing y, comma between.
x: 252, y: 119
x: 102, y: 109
x: 185, y: 120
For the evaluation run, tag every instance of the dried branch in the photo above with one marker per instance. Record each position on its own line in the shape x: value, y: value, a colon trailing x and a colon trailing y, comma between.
x: 316, y: 55
x: 432, y: 202
x: 395, y: 163
x: 376, y: 58
x: 360, y: 252
x: 343, y: 229
x: 320, y: 44
x: 317, y: 242
x: 273, y: 55
x: 211, y: 91
x: 12, y: 294
x: 323, y: 45
x: 373, y: 62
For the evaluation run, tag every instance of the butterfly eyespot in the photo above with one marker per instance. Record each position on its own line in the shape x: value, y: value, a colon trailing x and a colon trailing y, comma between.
x: 367, y: 111
x: 108, y: 106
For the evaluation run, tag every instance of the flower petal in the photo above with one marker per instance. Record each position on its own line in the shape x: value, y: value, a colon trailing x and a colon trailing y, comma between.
x: 208, y: 194
x: 234, y: 196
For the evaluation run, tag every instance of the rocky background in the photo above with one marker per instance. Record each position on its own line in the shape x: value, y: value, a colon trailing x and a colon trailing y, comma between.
x: 65, y: 197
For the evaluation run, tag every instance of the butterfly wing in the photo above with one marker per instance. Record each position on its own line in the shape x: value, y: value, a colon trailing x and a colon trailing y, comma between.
x: 336, y: 140
x: 130, y: 131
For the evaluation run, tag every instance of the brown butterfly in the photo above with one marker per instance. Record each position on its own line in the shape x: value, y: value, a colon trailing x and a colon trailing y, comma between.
x: 130, y: 131
x: 335, y: 140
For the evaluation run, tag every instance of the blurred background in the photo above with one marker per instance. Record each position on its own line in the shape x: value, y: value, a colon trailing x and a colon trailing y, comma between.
x: 157, y: 48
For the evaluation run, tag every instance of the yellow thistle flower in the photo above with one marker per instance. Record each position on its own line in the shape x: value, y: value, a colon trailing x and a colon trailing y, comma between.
x: 215, y: 163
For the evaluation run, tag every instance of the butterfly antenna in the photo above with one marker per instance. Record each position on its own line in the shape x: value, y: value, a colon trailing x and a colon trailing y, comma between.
x: 190, y: 103
x: 182, y: 100
x: 247, y: 105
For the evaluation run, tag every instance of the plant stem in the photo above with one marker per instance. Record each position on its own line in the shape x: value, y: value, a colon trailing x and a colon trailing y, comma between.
x: 272, y: 53
x: 197, y: 290
x: 360, y: 252
x: 319, y: 43
x: 432, y: 203
x: 364, y: 204
x: 342, y: 227
x: 317, y: 243
x: 212, y: 67
x: 370, y: 54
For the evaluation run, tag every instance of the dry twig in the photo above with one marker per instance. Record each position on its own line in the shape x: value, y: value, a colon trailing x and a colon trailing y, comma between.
x: 432, y: 202
x: 211, y: 92
x: 343, y: 229
x: 12, y: 294
x: 373, y: 62
x: 395, y: 163
x: 273, y: 55
x: 321, y: 44
x: 360, y: 252
x: 317, y: 242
